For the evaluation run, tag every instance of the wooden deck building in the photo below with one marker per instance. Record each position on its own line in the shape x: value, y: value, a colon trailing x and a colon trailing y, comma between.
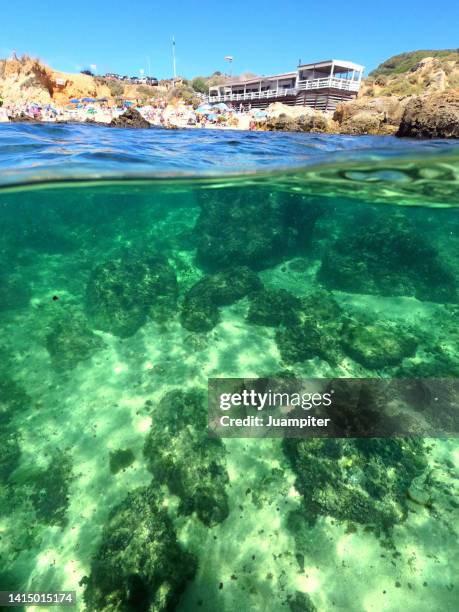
x: 320, y: 85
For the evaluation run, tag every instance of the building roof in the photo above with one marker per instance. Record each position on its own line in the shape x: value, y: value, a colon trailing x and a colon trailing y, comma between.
x: 274, y: 77
x: 338, y: 64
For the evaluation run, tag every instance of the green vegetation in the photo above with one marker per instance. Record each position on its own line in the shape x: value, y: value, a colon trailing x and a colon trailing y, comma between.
x: 199, y: 85
x: 404, y: 62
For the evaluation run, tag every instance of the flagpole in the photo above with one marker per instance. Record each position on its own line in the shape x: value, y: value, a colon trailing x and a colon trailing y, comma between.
x: 173, y: 58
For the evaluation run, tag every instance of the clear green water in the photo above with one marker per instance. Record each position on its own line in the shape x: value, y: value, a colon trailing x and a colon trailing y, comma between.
x: 118, y: 300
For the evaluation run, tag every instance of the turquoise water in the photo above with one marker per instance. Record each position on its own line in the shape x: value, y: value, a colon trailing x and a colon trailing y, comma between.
x: 134, y: 265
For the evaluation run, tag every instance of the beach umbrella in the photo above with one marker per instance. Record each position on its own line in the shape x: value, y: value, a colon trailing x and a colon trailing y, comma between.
x: 211, y: 116
x: 260, y: 114
x: 204, y: 108
x: 221, y: 106
x: 102, y: 100
x: 74, y: 100
x: 88, y: 100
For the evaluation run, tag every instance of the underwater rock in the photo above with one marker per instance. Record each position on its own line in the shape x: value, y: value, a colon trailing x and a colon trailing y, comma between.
x: 418, y: 491
x: 252, y: 228
x: 9, y: 453
x: 391, y: 258
x: 363, y: 480
x: 13, y: 399
x: 180, y: 454
x: 120, y: 459
x: 301, y: 602
x: 50, y: 490
x: 437, y: 365
x: 199, y: 311
x: 71, y: 341
x: 359, y: 408
x: 123, y: 293
x: 314, y: 331
x: 131, y: 118
x: 139, y: 564
x: 377, y: 345
x: 14, y: 292
x: 273, y: 307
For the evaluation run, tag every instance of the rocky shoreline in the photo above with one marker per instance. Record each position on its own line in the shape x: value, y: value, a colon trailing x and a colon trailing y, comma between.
x: 426, y: 116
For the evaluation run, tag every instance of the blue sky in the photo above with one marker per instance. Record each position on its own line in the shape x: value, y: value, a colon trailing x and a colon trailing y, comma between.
x: 265, y: 36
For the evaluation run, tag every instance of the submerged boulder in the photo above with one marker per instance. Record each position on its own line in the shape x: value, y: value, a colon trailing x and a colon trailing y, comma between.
x: 71, y: 341
x: 273, y: 307
x: 391, y: 258
x: 14, y: 292
x: 200, y: 308
x: 314, y: 330
x: 362, y: 480
x: 254, y: 228
x: 431, y: 116
x: 180, y: 454
x: 10, y: 453
x: 377, y: 345
x: 131, y: 118
x: 13, y: 400
x: 139, y: 564
x: 124, y: 292
x: 50, y: 489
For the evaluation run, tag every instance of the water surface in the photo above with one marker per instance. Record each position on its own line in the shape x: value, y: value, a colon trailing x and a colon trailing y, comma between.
x: 136, y: 264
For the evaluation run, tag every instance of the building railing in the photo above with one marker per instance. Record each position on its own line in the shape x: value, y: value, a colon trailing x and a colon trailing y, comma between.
x: 329, y: 83
x: 326, y: 83
x: 253, y: 95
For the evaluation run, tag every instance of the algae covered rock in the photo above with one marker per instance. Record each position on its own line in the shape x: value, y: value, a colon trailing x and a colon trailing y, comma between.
x: 13, y: 400
x: 120, y: 459
x: 50, y: 489
x: 301, y: 602
x: 124, y: 292
x: 391, y: 258
x: 71, y: 341
x: 14, y: 292
x: 180, y: 454
x: 273, y: 307
x: 363, y: 480
x: 377, y: 345
x: 254, y: 228
x: 314, y: 331
x: 201, y: 303
x: 139, y: 564
x: 9, y: 453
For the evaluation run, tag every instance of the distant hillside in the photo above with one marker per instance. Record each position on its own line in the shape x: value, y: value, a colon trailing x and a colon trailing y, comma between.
x: 404, y: 62
x: 27, y: 79
x: 414, y: 73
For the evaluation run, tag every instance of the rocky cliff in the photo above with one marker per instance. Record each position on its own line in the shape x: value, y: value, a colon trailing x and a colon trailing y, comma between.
x: 403, y: 82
